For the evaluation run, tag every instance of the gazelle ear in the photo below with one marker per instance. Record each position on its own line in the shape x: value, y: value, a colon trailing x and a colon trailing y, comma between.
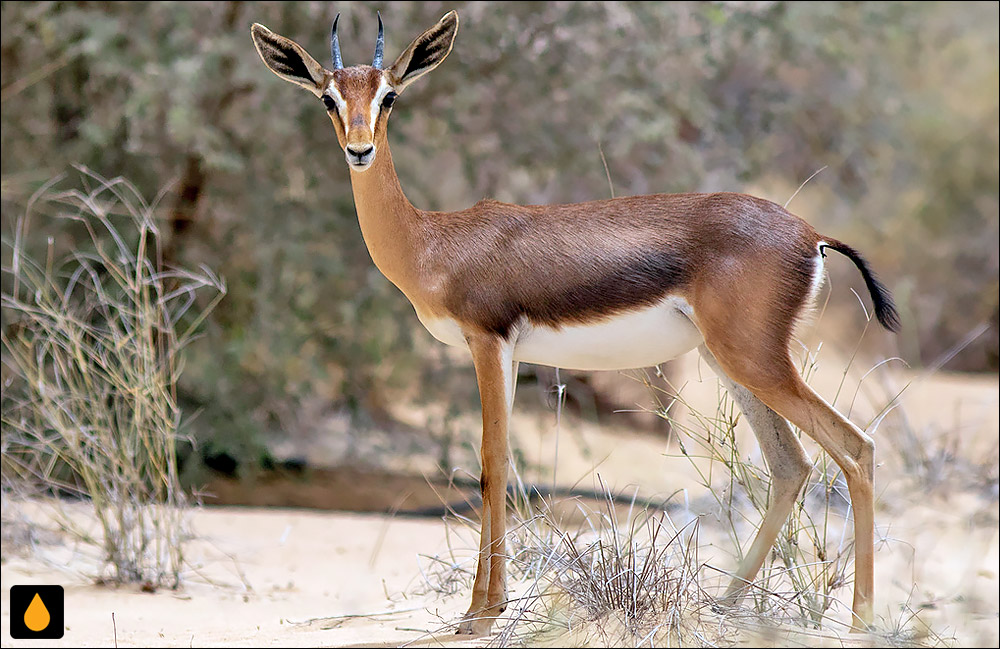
x: 288, y: 59
x: 425, y: 53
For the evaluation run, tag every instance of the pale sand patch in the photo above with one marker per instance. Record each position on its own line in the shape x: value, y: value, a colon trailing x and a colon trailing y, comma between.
x: 308, y: 573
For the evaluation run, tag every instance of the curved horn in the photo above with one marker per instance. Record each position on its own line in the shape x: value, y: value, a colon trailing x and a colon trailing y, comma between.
x: 379, y: 44
x: 338, y: 62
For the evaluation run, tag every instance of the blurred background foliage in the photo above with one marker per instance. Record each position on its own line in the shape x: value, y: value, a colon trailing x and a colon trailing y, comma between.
x: 899, y: 101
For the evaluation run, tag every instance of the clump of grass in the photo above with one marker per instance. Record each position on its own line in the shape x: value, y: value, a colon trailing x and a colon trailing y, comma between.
x: 92, y: 344
x: 619, y: 575
x: 620, y: 578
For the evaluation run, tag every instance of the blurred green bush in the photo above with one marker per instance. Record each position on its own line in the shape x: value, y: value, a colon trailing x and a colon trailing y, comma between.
x: 899, y: 100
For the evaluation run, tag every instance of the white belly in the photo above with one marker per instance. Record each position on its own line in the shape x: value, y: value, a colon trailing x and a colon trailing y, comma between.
x: 635, y: 339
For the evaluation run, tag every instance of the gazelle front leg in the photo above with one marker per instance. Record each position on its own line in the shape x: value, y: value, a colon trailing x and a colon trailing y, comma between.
x: 496, y: 374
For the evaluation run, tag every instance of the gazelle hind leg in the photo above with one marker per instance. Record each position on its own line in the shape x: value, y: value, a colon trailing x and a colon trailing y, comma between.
x: 777, y: 384
x: 854, y: 453
x: 788, y: 465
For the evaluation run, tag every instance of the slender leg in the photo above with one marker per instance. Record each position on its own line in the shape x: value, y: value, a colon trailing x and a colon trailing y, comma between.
x: 854, y: 453
x: 789, y: 467
x: 777, y: 384
x: 492, y: 358
x: 511, y: 385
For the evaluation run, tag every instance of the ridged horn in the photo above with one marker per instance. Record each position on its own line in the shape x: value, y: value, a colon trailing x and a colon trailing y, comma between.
x: 338, y: 62
x: 379, y: 44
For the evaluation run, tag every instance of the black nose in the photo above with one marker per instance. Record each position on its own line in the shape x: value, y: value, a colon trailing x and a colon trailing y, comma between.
x: 360, y: 153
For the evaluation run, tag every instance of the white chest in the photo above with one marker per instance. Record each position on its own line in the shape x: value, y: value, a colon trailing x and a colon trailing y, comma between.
x: 639, y: 338
x: 445, y: 330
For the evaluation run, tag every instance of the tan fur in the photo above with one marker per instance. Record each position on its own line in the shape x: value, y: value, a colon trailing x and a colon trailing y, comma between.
x: 745, y: 266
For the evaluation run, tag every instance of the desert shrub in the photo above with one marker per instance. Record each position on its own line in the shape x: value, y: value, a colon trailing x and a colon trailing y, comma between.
x: 92, y: 344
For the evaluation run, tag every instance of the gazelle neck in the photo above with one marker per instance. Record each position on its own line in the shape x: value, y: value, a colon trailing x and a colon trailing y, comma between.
x: 388, y: 220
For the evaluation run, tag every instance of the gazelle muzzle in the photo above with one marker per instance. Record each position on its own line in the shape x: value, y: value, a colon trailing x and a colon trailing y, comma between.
x: 359, y: 156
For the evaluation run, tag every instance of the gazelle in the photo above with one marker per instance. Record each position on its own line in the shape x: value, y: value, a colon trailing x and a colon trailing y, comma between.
x: 609, y: 284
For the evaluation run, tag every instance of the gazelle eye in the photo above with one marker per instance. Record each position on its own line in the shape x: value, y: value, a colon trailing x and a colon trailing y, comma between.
x: 330, y: 104
x: 389, y: 99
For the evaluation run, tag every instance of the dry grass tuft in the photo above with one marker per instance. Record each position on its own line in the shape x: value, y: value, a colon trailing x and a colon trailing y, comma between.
x: 92, y: 346
x: 623, y: 576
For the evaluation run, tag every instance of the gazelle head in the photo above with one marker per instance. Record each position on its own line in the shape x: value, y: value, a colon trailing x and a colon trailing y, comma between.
x: 358, y: 99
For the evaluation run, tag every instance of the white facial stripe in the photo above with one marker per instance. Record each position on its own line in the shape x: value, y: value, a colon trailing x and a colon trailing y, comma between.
x: 383, y: 89
x: 341, y: 104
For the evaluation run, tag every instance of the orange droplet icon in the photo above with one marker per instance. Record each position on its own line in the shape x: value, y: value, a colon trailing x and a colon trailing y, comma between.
x: 36, y: 617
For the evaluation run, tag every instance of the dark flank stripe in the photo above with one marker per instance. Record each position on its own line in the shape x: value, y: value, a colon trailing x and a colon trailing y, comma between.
x: 639, y: 282
x: 518, y: 264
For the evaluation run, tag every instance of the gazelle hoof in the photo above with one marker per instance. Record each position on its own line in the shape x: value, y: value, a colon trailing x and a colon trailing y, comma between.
x: 475, y: 624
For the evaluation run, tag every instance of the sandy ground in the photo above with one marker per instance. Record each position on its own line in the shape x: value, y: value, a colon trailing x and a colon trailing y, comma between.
x: 263, y: 578
x: 273, y: 577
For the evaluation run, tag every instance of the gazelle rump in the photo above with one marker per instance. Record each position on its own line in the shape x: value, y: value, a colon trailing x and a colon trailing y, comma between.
x: 609, y: 284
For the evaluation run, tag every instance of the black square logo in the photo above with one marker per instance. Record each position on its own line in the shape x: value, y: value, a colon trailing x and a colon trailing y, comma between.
x: 36, y: 612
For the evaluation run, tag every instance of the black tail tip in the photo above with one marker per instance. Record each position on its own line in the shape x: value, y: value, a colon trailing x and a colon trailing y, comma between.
x: 888, y: 317
x: 885, y: 309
